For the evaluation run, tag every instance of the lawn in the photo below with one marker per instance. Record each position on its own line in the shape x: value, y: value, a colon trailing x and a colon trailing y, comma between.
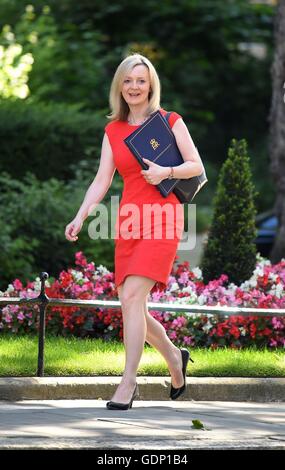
x: 77, y: 357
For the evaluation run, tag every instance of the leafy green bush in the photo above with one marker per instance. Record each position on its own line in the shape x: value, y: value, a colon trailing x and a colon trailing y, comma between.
x: 33, y: 217
x: 230, y: 249
x: 47, y: 139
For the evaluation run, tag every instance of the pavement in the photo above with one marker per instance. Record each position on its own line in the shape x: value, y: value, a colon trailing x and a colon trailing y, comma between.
x: 54, y: 413
x: 87, y: 424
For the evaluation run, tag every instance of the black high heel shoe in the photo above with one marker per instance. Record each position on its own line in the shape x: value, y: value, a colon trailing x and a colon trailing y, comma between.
x: 176, y: 392
x: 112, y: 405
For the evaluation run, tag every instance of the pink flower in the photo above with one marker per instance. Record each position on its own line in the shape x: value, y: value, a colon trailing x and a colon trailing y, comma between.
x: 277, y: 323
x: 17, y: 284
x: 184, y: 277
x: 8, y: 318
x: 156, y: 296
x: 173, y: 335
x: 90, y: 267
x: 99, y: 290
x: 80, y: 259
x: 179, y: 322
x: 187, y: 340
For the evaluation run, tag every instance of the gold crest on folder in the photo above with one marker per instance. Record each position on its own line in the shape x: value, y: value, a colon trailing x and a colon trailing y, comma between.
x: 154, y: 144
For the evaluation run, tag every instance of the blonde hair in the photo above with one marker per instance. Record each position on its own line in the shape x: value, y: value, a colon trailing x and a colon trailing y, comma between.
x: 119, y: 107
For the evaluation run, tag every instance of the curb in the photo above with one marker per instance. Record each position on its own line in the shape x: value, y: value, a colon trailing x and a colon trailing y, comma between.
x: 263, y: 390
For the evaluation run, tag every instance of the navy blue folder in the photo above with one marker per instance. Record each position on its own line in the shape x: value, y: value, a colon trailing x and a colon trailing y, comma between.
x: 155, y: 141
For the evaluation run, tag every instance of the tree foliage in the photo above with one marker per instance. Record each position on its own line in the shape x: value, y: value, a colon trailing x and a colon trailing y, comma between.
x: 230, y: 248
x: 213, y: 59
x: 204, y: 53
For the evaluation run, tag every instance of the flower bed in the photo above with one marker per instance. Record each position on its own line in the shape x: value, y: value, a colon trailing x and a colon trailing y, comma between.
x: 265, y: 289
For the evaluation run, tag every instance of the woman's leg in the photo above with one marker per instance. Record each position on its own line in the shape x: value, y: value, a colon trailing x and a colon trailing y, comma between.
x: 156, y: 336
x: 132, y: 295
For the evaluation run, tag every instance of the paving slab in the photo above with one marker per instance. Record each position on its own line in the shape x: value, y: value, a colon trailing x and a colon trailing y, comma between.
x: 87, y: 424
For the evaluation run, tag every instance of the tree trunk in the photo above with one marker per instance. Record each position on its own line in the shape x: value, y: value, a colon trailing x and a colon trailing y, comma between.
x: 277, y: 130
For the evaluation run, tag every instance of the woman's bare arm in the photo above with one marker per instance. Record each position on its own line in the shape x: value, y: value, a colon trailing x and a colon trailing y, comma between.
x: 96, y: 191
x: 192, y: 165
x: 101, y: 182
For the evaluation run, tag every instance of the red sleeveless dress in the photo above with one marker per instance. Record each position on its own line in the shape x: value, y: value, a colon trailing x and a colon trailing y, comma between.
x: 148, y: 225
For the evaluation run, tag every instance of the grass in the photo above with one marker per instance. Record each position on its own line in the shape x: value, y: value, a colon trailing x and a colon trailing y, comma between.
x: 77, y: 357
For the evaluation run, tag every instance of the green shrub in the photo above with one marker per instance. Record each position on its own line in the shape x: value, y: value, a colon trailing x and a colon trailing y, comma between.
x: 33, y: 217
x: 230, y: 248
x: 47, y: 139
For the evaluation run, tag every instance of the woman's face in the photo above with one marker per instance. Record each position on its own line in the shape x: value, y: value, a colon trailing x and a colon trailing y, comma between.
x: 136, y: 85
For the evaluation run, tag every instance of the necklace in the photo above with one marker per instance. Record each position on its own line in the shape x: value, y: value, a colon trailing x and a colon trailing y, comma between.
x: 130, y: 121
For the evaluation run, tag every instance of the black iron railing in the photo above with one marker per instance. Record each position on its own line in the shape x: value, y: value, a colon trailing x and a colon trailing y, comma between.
x: 44, y: 301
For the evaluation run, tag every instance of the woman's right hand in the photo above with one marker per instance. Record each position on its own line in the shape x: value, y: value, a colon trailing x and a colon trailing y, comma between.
x: 73, y: 228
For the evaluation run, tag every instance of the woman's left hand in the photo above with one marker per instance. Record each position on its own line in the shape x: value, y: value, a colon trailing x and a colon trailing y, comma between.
x: 155, y: 173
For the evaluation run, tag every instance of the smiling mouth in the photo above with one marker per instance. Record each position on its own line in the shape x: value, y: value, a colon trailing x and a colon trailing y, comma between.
x: 132, y: 94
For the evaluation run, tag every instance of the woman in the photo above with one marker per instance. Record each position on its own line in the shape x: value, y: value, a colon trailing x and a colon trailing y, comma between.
x: 141, y: 262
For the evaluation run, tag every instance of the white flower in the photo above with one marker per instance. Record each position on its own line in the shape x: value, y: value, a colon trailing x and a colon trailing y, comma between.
x: 77, y: 275
x: 232, y: 288
x: 207, y: 327
x: 258, y: 271
x: 202, y: 299
x: 277, y: 290
x: 10, y: 288
x: 252, y: 282
x: 247, y: 285
x: 197, y: 273
x: 187, y: 289
x: 102, y: 270
x: 174, y: 287
x: 37, y: 284
x: 262, y: 261
x: 244, y: 285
